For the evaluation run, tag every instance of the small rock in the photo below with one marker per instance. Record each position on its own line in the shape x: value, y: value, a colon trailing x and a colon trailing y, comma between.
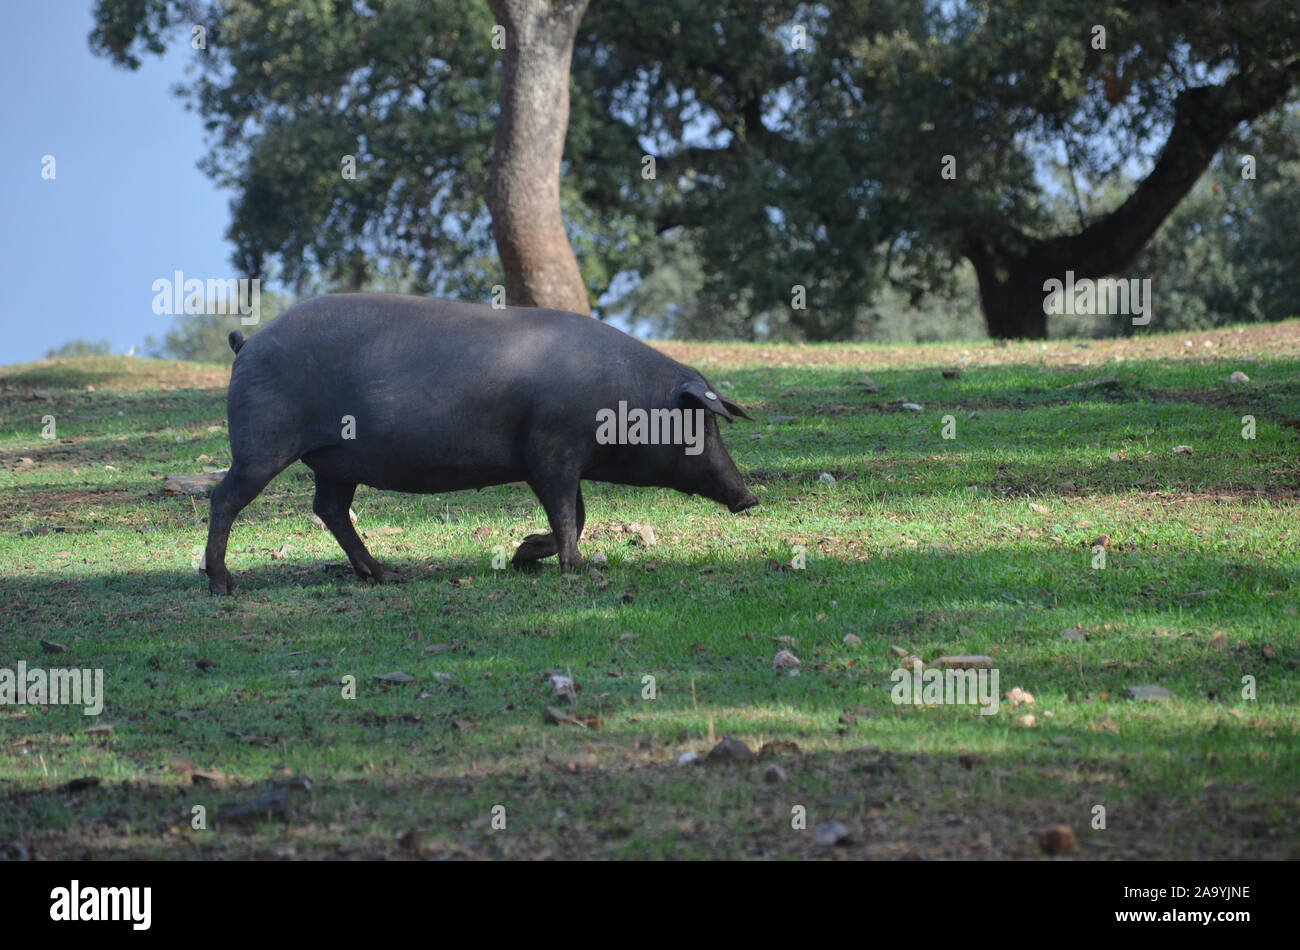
x: 785, y: 660
x: 1182, y: 450
x: 1041, y: 509
x: 1059, y: 839
x: 913, y: 407
x: 867, y: 383
x: 563, y: 688
x: 1026, y: 722
x: 774, y: 774
x: 852, y: 640
x: 1019, y: 697
x: 192, y: 484
x: 826, y: 478
x: 1074, y: 635
x: 397, y: 676
x: 1238, y: 377
x: 830, y: 833
x: 686, y: 758
x: 49, y: 646
x: 1101, y: 540
x: 1152, y: 693
x: 599, y: 558
x: 730, y: 750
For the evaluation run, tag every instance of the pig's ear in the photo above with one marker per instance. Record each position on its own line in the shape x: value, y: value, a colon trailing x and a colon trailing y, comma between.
x: 696, y: 391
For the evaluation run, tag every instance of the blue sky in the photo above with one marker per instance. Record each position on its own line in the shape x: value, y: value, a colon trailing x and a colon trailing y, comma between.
x: 79, y: 254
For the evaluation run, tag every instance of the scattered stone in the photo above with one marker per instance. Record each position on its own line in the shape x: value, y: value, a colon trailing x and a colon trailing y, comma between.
x: 49, y: 646
x: 643, y: 534
x: 867, y: 383
x: 563, y: 688
x: 1041, y: 509
x: 1182, y: 450
x: 687, y: 758
x: 1019, y: 697
x: 599, y: 557
x: 23, y: 463
x: 774, y: 774
x: 730, y: 750
x: 1101, y: 540
x: 847, y: 719
x: 779, y: 747
x: 1238, y: 377
x: 1026, y: 722
x: 831, y: 833
x: 852, y: 640
x: 192, y: 484
x: 785, y: 660
x: 1059, y: 839
x: 397, y: 676
x: 1150, y: 693
x: 913, y: 407
x: 1074, y: 635
x: 826, y: 478
x: 972, y: 661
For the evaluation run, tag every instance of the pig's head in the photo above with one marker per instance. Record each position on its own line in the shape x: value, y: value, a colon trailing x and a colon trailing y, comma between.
x: 673, y: 443
x: 710, y: 472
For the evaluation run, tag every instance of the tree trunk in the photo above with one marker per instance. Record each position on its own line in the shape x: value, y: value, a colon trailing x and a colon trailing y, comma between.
x: 1011, y: 297
x: 1012, y: 267
x: 523, y: 191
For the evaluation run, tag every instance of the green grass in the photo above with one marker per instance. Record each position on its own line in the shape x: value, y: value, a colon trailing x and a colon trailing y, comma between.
x: 975, y: 544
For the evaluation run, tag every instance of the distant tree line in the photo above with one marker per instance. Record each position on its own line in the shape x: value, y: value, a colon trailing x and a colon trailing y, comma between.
x: 753, y: 170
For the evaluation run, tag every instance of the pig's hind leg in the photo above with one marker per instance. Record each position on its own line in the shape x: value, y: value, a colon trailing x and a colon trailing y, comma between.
x: 241, y: 485
x: 538, y: 546
x: 333, y: 500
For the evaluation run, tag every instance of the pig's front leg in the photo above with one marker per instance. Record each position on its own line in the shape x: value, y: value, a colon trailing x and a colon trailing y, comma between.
x: 562, y: 499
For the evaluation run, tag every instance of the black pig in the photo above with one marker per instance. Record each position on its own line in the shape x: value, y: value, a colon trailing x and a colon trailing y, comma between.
x: 413, y: 394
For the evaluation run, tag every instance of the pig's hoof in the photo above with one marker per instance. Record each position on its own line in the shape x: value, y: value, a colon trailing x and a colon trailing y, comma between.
x: 221, y: 585
x: 534, y: 548
x: 373, y: 571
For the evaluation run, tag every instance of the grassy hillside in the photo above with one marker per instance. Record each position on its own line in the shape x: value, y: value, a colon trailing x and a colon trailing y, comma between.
x: 975, y: 544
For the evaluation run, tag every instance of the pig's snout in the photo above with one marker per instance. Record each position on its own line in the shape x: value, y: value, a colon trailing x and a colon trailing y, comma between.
x: 748, y: 500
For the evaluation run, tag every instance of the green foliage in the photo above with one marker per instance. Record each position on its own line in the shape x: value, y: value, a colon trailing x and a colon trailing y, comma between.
x: 778, y: 165
x: 1228, y: 254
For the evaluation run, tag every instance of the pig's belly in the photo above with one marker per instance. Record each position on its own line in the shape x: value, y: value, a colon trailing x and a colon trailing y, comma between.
x: 418, y: 473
